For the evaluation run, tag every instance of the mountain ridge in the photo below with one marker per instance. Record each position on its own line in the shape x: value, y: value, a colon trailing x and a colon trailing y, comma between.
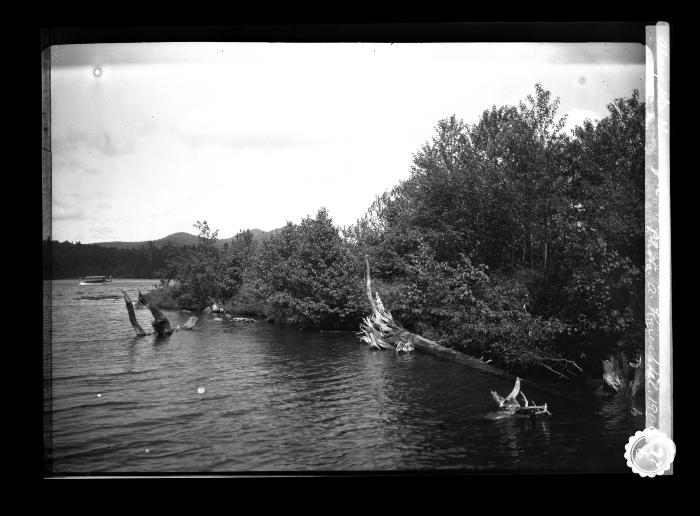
x: 183, y: 238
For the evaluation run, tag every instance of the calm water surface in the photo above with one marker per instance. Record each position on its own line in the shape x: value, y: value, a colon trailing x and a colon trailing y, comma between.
x: 276, y: 399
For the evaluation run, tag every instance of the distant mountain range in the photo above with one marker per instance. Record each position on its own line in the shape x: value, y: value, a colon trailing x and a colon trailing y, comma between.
x: 180, y: 239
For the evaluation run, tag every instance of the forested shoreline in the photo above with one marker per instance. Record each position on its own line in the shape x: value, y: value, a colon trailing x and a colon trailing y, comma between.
x: 63, y: 260
x: 511, y: 241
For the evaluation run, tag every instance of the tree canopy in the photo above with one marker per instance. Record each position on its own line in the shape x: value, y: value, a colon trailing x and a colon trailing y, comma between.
x: 509, y: 239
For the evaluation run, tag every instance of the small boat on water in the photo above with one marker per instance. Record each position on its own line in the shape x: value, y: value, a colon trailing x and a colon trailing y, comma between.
x: 90, y: 280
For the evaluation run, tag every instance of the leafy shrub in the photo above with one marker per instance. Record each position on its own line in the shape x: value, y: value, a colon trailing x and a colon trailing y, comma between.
x: 308, y: 276
x: 163, y: 297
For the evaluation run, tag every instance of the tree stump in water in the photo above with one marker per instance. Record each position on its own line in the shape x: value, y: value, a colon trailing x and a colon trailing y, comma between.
x: 510, y: 404
x: 620, y: 376
x: 161, y: 325
x: 132, y: 316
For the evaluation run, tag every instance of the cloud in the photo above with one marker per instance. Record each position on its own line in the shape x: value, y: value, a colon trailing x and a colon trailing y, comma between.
x: 233, y: 138
x: 73, y: 166
x: 99, y: 231
x: 100, y: 140
x: 60, y: 212
x: 256, y: 134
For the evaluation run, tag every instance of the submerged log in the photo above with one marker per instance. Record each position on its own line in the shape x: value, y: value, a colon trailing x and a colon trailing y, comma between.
x: 132, y: 316
x: 161, y: 325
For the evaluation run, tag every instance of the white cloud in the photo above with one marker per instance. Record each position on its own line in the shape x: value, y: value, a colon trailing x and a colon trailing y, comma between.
x: 63, y: 213
x: 253, y: 135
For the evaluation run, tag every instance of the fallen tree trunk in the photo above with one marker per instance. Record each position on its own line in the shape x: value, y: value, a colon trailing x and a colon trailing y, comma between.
x: 132, y: 316
x: 161, y: 325
x: 381, y: 331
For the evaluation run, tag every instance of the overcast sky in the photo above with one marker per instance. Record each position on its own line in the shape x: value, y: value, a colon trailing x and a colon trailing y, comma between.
x: 148, y: 138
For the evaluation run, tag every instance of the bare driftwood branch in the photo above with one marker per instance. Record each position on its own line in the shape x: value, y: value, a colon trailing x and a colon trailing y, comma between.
x: 380, y: 330
x: 510, y: 404
x: 524, y: 398
x: 190, y: 323
x: 500, y: 400
x: 516, y: 390
x: 132, y: 316
x: 369, y: 288
x: 561, y: 367
x: 533, y: 410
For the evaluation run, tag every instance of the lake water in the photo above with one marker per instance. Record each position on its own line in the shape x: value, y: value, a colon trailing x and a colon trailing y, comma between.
x: 276, y: 399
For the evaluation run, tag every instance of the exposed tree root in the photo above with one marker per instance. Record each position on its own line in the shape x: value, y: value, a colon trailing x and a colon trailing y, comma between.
x: 380, y: 330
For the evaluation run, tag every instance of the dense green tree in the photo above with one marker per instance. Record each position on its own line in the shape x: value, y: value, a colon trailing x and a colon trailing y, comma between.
x: 236, y: 261
x: 308, y: 276
x: 198, y: 270
x: 603, y: 238
x: 557, y: 219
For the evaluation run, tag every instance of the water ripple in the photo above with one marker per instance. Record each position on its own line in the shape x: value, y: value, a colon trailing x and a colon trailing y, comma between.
x: 277, y: 399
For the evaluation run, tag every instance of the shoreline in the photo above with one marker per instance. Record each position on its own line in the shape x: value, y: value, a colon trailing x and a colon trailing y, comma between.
x: 579, y: 387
